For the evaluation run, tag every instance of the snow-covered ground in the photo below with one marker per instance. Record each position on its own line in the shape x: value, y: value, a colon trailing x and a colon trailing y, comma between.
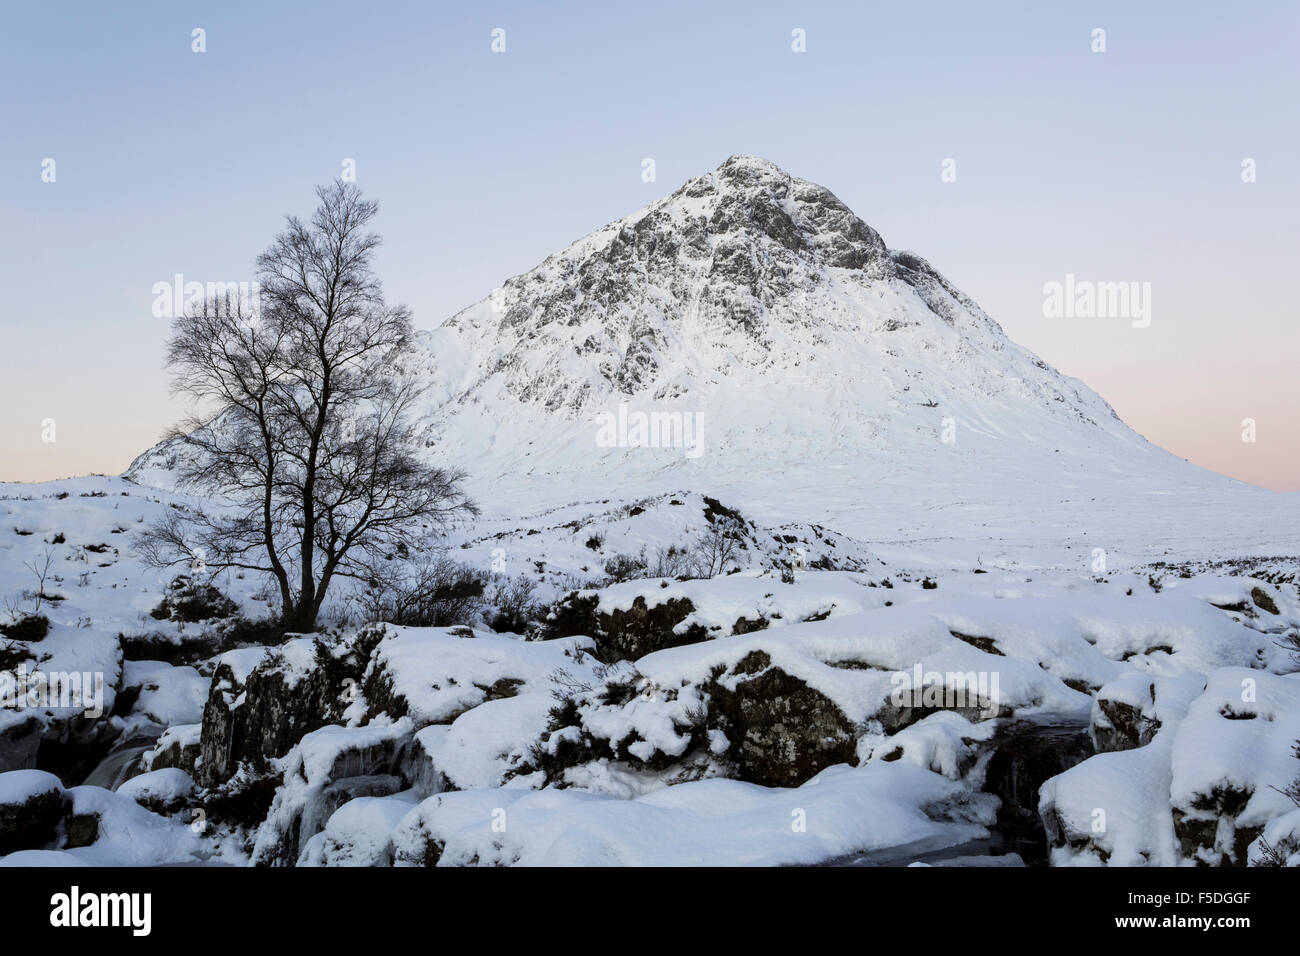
x: 761, y: 725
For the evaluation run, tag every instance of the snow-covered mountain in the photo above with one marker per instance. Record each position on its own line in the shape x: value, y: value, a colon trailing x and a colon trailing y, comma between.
x: 815, y: 374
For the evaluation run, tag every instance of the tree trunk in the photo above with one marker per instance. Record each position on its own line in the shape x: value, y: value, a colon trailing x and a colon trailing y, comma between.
x: 301, y: 619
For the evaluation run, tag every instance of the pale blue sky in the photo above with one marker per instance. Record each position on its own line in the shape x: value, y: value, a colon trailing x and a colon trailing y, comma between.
x: 1123, y: 165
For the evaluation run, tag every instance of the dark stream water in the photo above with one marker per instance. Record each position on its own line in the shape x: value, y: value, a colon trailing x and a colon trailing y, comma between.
x: 1026, y: 752
x: 116, y: 767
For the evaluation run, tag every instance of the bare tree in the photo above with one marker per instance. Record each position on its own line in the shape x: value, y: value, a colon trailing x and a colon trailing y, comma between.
x: 41, y: 568
x: 307, y: 438
x: 717, y: 548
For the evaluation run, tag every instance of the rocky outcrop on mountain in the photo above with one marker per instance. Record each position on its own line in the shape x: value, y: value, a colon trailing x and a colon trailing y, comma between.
x: 731, y: 268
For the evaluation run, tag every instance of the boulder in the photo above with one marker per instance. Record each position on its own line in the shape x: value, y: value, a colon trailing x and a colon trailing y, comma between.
x: 179, y: 747
x: 1124, y: 714
x: 767, y: 726
x: 32, y: 805
x: 625, y: 634
x: 162, y: 791
x: 781, y: 731
x: 360, y: 832
x: 263, y: 701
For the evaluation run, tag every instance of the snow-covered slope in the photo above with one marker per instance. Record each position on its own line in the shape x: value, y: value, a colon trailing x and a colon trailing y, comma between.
x: 820, y: 376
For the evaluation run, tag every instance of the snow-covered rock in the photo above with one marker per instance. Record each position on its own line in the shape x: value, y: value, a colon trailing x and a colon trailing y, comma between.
x: 32, y: 805
x: 263, y: 700
x: 1202, y: 790
x: 163, y: 791
x: 166, y: 694
x: 433, y: 675
x: 326, y: 769
x: 106, y: 828
x: 359, y: 833
x: 1233, y: 755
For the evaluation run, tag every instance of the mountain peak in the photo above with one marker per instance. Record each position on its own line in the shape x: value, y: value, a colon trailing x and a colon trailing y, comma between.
x: 749, y: 281
x: 752, y: 198
x: 744, y: 164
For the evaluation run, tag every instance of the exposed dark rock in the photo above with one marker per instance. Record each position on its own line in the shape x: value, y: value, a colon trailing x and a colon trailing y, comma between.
x: 985, y: 644
x: 624, y: 634
x: 215, y: 638
x: 162, y: 647
x: 1026, y: 753
x: 1263, y: 601
x: 640, y: 630
x: 193, y: 601
x: 501, y: 689
x: 782, y: 731
x: 715, y: 509
x: 242, y: 801
x: 178, y: 754
x: 31, y: 628
x: 19, y: 743
x: 1237, y: 607
x: 1200, y: 826
x: 1123, y: 726
x: 82, y: 830
x: 32, y: 822
x: 1194, y: 833
x: 959, y: 693
x: 264, y: 716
